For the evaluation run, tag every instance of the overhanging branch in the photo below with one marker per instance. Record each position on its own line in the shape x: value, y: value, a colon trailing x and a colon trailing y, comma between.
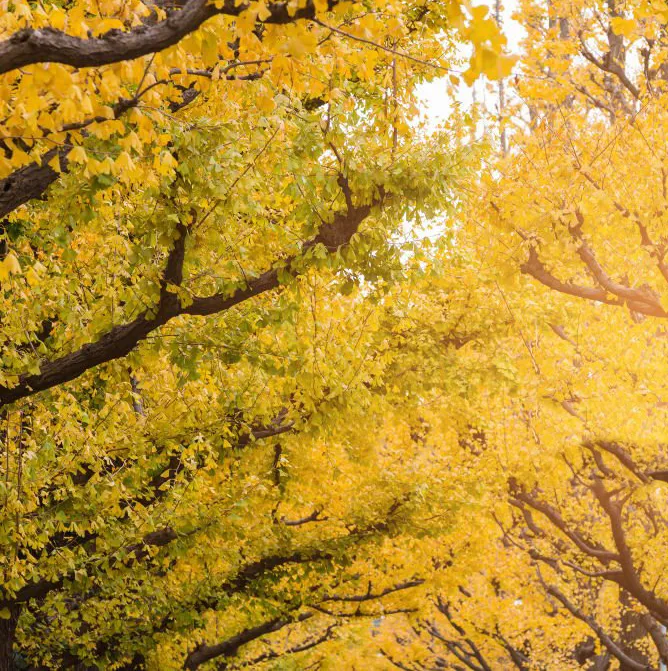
x: 122, y: 339
x: 46, y: 45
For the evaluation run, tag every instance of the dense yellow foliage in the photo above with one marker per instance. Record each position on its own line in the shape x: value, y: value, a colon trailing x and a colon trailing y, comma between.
x: 290, y: 381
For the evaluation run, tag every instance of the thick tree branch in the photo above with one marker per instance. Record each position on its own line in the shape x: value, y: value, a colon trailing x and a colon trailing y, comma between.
x: 610, y: 292
x: 122, y: 339
x: 640, y: 300
x: 231, y: 646
x: 237, y: 583
x: 32, y: 180
x: 308, y: 644
x: 605, y: 639
x: 535, y: 267
x: 46, y: 45
x: 590, y: 548
x: 40, y: 589
x: 611, y: 65
x: 657, y: 634
x: 656, y: 251
x: 624, y: 458
x: 632, y: 581
x: 139, y: 551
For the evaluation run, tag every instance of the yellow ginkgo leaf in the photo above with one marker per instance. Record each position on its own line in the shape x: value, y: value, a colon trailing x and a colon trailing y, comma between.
x: 9, y: 265
x: 32, y: 277
x: 265, y: 104
x: 77, y: 155
x: 623, y: 27
x: 54, y: 163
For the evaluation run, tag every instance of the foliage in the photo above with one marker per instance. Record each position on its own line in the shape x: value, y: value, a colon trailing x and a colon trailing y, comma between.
x: 201, y: 280
x: 288, y: 382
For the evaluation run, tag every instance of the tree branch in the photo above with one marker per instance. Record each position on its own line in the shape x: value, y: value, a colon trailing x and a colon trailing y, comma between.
x: 300, y: 647
x: 122, y: 339
x: 313, y: 517
x: 534, y: 267
x: 230, y: 647
x: 32, y: 180
x: 358, y: 598
x: 610, y: 65
x: 46, y: 45
x: 590, y: 548
x: 657, y: 634
x: 41, y: 588
x: 632, y: 581
x: 605, y: 639
x: 638, y: 299
x: 617, y: 451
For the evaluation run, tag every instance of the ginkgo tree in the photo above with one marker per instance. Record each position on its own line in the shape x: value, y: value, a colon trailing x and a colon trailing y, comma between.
x: 558, y: 465
x: 114, y: 70
x: 252, y: 416
x: 572, y: 219
x: 565, y: 452
x: 200, y: 205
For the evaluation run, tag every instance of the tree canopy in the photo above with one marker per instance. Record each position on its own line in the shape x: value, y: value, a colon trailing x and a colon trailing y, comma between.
x: 292, y: 379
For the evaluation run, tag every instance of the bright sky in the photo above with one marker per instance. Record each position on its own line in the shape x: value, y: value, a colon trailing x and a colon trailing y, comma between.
x: 437, y: 99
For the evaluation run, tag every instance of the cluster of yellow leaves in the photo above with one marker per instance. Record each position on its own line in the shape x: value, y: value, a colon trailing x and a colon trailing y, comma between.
x: 417, y: 380
x: 49, y: 106
x: 253, y: 167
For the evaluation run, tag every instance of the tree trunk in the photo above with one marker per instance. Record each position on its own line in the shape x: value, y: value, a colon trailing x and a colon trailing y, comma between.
x: 7, y: 634
x: 633, y: 631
